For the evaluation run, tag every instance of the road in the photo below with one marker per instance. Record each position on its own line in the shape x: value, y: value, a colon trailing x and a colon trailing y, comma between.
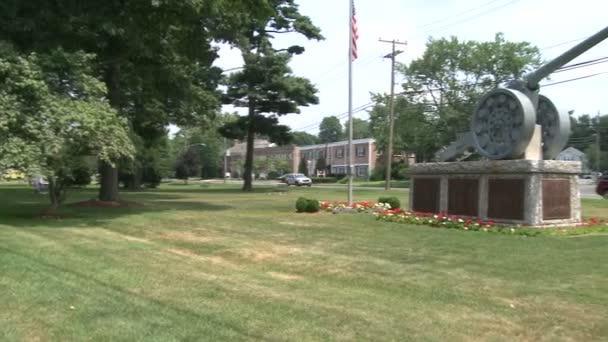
x: 587, y: 188
x: 588, y: 191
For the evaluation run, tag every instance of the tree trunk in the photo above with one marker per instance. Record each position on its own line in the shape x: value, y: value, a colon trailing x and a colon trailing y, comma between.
x: 135, y: 180
x: 248, y: 168
x: 54, y: 195
x: 108, y: 190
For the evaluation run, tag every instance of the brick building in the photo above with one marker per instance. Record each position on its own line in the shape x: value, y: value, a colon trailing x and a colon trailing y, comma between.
x: 335, y: 154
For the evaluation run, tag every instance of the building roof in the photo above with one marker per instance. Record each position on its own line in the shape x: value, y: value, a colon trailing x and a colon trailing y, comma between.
x: 338, y: 143
x: 572, y: 150
x: 258, y: 143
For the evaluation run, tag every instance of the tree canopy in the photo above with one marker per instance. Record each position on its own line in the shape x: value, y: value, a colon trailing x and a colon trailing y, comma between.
x: 53, y: 114
x: 330, y: 130
x: 304, y: 139
x: 155, y: 57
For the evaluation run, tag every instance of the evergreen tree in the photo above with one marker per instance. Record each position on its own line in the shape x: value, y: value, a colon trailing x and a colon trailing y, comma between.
x: 303, y: 167
x: 266, y: 85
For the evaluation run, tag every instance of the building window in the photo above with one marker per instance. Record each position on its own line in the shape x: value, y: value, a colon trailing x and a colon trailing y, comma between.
x: 339, y: 153
x: 360, y: 151
x: 361, y: 171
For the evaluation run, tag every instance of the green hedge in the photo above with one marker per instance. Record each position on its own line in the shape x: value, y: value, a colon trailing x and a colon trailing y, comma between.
x: 392, y: 200
x: 307, y: 205
x: 321, y: 180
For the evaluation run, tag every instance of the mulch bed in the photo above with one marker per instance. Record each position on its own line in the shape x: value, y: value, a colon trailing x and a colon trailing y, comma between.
x: 50, y: 216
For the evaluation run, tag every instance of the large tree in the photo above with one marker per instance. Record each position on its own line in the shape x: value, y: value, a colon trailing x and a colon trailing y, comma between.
x: 442, y: 87
x: 266, y: 85
x: 414, y: 129
x: 53, y: 115
x: 153, y: 56
x: 304, y: 139
x: 330, y: 130
x: 361, y: 129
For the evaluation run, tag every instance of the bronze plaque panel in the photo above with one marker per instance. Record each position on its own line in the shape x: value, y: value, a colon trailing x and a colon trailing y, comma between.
x: 506, y: 199
x: 556, y: 199
x: 426, y: 195
x: 463, y: 197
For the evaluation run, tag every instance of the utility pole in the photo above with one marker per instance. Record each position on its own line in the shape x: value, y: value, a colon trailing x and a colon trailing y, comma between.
x: 391, y: 121
x: 597, y: 142
x: 226, y: 153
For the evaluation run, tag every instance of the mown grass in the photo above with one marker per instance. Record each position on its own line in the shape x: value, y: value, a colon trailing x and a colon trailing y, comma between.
x: 213, y: 263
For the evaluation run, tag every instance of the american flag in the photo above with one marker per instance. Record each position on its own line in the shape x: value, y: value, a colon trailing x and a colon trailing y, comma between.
x: 355, y: 33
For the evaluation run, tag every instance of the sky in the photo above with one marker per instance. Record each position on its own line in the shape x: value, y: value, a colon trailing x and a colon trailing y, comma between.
x: 544, y: 23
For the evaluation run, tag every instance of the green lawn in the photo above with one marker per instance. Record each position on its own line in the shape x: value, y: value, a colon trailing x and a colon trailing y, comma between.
x: 215, y: 264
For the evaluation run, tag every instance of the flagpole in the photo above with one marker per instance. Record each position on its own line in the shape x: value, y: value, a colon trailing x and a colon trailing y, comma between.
x: 350, y: 103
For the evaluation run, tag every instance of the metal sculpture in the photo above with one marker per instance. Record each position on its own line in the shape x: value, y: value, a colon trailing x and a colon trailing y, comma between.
x: 504, y: 119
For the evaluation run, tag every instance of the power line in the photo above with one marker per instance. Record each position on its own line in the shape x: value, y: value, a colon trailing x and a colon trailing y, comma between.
x: 564, y: 43
x: 361, y: 108
x: 459, y: 14
x: 574, y: 79
x: 493, y: 9
x: 582, y: 64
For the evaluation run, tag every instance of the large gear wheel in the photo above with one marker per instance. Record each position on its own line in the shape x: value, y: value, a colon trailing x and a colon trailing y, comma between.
x: 503, y: 124
x: 555, y: 127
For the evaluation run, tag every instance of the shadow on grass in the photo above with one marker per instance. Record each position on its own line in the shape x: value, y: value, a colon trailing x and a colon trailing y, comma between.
x: 20, y: 207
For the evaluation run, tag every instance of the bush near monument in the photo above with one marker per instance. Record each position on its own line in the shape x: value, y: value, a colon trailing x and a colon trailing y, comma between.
x: 391, y: 200
x: 306, y: 205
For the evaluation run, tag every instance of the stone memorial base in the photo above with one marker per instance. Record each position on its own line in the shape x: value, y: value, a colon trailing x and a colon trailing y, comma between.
x: 527, y: 192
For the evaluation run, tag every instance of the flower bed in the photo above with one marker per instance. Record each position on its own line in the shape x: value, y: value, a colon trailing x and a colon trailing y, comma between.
x: 592, y: 225
x: 433, y: 220
x: 357, y: 207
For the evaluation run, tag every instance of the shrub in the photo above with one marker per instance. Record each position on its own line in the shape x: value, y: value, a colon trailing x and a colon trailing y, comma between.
x: 301, y: 204
x: 150, y: 177
x: 312, y: 206
x: 320, y: 180
x: 391, y: 200
x: 338, y: 176
x: 398, y: 171
x: 307, y: 205
x: 81, y: 176
x: 273, y: 175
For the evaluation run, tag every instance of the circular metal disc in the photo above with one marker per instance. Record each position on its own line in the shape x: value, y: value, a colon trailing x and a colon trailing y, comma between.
x: 503, y: 123
x: 555, y: 127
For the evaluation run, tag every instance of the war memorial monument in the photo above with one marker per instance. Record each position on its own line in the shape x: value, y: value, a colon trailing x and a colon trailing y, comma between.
x: 518, y: 133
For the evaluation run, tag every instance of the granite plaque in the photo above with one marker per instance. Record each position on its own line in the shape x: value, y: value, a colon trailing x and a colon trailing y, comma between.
x: 426, y: 195
x: 463, y: 197
x: 506, y: 199
x: 556, y: 199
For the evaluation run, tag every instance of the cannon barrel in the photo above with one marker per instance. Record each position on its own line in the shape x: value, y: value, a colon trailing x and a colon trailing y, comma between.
x: 533, y: 78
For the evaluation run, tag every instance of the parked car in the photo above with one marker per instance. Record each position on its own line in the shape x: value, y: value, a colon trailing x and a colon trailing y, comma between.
x: 283, y: 178
x: 602, y: 187
x: 297, y: 179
